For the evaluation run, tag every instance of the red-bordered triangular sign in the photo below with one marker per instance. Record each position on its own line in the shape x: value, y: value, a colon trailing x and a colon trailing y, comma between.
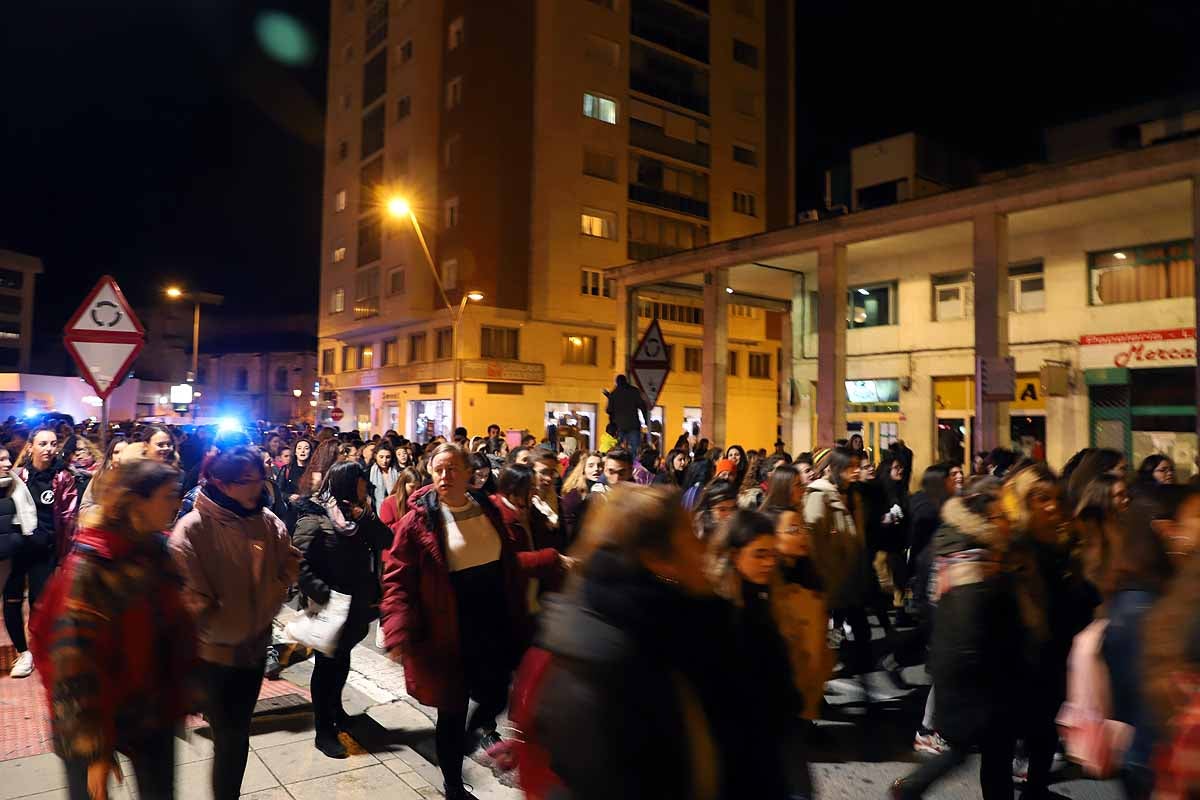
x: 104, y: 336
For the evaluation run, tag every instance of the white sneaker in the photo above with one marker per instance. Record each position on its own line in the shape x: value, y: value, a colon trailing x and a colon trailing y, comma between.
x: 24, y: 666
x: 379, y: 637
x: 931, y: 742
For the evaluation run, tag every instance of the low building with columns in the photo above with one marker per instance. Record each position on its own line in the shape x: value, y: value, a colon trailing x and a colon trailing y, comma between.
x: 1083, y: 273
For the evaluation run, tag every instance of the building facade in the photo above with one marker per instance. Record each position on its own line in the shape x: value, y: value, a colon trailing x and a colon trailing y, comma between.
x: 539, y: 143
x: 18, y: 273
x: 1083, y: 273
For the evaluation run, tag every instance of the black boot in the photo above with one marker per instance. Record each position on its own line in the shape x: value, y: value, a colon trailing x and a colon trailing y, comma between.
x: 328, y: 744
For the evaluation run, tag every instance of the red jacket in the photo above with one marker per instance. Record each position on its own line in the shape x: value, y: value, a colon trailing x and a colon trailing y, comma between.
x: 419, y: 609
x: 113, y: 645
x: 66, y: 507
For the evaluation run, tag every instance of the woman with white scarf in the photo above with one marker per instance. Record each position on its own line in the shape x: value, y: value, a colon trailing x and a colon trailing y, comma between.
x: 18, y: 514
x: 383, y: 472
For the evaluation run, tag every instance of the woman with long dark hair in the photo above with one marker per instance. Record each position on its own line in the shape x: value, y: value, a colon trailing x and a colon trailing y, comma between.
x: 288, y: 478
x: 673, y: 469
x: 339, y: 536
x: 1155, y: 470
x: 737, y: 454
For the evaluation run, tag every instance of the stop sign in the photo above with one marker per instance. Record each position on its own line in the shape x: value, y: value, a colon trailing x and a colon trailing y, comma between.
x: 337, y: 414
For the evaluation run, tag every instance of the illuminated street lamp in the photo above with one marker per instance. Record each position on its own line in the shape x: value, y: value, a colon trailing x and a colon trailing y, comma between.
x: 176, y: 293
x: 399, y: 208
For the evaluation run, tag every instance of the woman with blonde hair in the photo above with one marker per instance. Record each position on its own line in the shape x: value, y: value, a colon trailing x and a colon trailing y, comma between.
x: 645, y: 669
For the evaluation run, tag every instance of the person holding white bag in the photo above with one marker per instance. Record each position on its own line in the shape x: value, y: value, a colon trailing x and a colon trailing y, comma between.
x: 18, y: 514
x: 339, y: 538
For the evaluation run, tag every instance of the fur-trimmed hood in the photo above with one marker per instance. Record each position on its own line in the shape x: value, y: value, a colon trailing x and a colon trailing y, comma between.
x: 963, y: 530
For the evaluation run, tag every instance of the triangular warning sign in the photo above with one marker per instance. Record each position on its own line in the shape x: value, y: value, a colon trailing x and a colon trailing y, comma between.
x: 105, y: 311
x: 104, y: 363
x: 651, y: 379
x: 652, y: 350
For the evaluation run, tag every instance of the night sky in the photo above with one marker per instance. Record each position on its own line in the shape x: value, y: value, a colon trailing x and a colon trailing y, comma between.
x: 159, y: 141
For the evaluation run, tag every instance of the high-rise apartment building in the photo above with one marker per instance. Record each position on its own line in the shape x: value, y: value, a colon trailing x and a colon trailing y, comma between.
x: 17, y: 275
x: 537, y: 143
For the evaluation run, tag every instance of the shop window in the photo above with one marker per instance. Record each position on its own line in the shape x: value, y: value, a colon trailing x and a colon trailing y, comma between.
x: 579, y: 350
x: 953, y: 296
x: 760, y: 365
x: 443, y: 344
x: 499, y: 343
x: 593, y: 282
x: 597, y: 223
x: 327, y: 363
x: 693, y: 359
x: 416, y: 348
x: 1146, y: 272
x: 1027, y: 288
x: 872, y: 306
x: 600, y: 108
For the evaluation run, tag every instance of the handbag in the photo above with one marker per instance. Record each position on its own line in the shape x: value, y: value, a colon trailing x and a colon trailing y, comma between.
x: 320, y: 626
x: 1090, y: 736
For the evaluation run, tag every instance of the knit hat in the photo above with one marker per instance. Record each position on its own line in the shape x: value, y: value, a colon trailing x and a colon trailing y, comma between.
x: 725, y: 465
x: 820, y: 460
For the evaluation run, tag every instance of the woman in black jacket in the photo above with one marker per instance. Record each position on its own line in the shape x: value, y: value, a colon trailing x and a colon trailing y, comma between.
x: 339, y: 537
x: 975, y: 655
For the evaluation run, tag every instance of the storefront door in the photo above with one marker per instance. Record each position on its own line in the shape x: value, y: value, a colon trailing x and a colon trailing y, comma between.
x: 427, y: 419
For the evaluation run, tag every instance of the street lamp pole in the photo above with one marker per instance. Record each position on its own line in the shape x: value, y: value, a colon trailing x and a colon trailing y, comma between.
x: 176, y: 293
x: 195, y: 343
x: 399, y: 208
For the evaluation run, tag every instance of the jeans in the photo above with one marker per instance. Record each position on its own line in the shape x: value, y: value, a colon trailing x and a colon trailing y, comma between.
x: 230, y: 696
x: 995, y: 769
x: 153, y: 765
x: 329, y: 679
x: 632, y: 440
x: 36, y: 567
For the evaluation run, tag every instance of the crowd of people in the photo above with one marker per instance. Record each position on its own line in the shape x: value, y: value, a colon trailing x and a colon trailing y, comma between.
x: 658, y: 624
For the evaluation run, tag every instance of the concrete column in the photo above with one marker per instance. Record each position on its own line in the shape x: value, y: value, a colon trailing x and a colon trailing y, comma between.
x: 831, y: 344
x: 795, y: 414
x: 1196, y: 272
x: 715, y: 367
x: 991, y: 323
x: 786, y: 371
x: 627, y: 326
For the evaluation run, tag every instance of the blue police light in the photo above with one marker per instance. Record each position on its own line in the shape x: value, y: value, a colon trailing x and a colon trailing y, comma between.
x: 227, y: 424
x: 30, y: 413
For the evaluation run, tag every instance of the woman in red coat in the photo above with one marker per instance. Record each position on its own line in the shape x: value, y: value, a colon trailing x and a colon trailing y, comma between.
x: 453, y: 612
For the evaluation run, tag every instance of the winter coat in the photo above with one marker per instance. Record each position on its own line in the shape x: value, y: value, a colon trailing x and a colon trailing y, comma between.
x: 975, y: 653
x: 625, y: 404
x: 382, y: 482
x: 113, y: 642
x: 66, y: 509
x: 419, y: 609
x: 838, y: 550
x: 18, y: 516
x: 235, y: 568
x: 638, y: 704
x: 333, y: 560
x: 798, y: 604
x: 924, y: 516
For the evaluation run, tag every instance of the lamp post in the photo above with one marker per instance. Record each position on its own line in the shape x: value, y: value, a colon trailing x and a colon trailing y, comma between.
x: 176, y: 293
x: 399, y: 208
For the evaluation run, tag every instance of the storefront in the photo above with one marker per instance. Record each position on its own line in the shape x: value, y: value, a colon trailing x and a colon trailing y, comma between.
x: 873, y: 412
x: 1142, y: 394
x: 576, y: 420
x: 954, y: 413
x: 428, y: 419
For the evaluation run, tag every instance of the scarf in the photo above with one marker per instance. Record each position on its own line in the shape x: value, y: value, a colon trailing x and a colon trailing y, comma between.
x: 229, y: 504
x: 332, y: 508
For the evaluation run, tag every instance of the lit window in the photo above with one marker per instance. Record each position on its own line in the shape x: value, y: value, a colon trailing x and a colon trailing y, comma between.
x: 416, y: 347
x: 1146, y: 272
x: 391, y: 353
x: 601, y: 108
x: 451, y: 215
x: 366, y: 358
x: 600, y: 224
x: 579, y: 350
x: 337, y: 303
x: 454, y: 34
x: 443, y: 344
x: 349, y: 358
x: 594, y: 283
x: 872, y: 306
x: 339, y: 200
x: 453, y: 93
x: 327, y: 362
x: 339, y: 254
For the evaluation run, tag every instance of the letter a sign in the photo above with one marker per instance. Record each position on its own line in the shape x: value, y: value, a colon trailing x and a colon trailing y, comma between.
x: 104, y: 337
x: 651, y: 364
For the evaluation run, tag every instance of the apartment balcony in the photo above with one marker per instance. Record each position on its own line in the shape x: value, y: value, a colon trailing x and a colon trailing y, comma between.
x: 654, y: 86
x: 366, y: 308
x: 668, y: 200
x: 650, y: 137
x: 670, y: 26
